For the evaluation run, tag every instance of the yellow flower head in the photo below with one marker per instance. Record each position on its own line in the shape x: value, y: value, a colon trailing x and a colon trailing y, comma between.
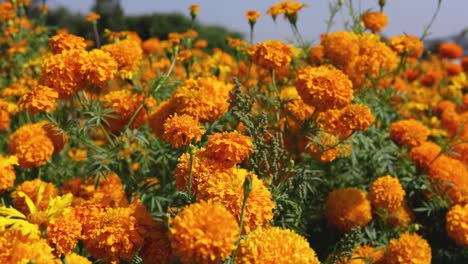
x: 252, y: 16
x: 409, y: 248
x: 457, y: 224
x: 348, y: 208
x: 408, y: 45
x: 272, y: 54
x: 65, y: 41
x: 275, y: 245
x: 63, y: 233
x: 204, y: 232
x: 386, y: 192
x: 324, y: 87
x: 38, y: 191
x: 40, y: 99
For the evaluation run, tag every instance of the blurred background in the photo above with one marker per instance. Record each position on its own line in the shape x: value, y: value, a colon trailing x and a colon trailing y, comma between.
x: 220, y: 18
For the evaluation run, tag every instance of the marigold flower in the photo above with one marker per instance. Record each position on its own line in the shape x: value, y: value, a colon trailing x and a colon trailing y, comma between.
x: 424, y: 154
x: 457, y: 224
x: 204, y: 232
x: 31, y: 145
x: 73, y: 258
x: 365, y: 254
x: 407, y: 45
x: 228, y: 148
x: 227, y: 188
x: 5, y: 120
x: 63, y: 233
x: 410, y: 133
x: 451, y: 176
x: 316, y: 54
x: 157, y: 248
x: 124, y: 103
x: 464, y: 64
x: 40, y: 99
x: 128, y: 54
x: 357, y: 117
x: 17, y: 248
x: 181, y: 130
x: 99, y: 68
x: 7, y: 172
x: 409, y: 248
x: 57, y: 135
x: 342, y: 48
x: 194, y: 10
x: 386, y: 192
x: 324, y: 87
x: 204, y: 98
x: 348, y: 208
x: 32, y: 190
x: 375, y: 21
x: 252, y: 16
x: 160, y: 114
x: 329, y: 121
x: 7, y: 12
x: 65, y: 41
x: 91, y: 17
x: 269, y: 245
x: 272, y: 54
x: 401, y: 216
x: 61, y: 72
x: 326, y: 147
x: 450, y: 50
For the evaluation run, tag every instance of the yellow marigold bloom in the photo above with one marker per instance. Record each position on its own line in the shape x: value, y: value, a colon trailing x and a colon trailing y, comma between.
x: 181, y: 130
x: 407, y: 45
x: 364, y: 254
x: 31, y: 145
x: 73, y: 258
x: 64, y: 41
x: 272, y: 54
x: 324, y: 87
x: 457, y: 224
x: 424, y: 154
x: 204, y: 232
x: 450, y: 50
x: 386, y: 192
x: 124, y: 104
x: 275, y: 245
x: 409, y: 248
x: 228, y: 148
x: 227, y: 188
x: 7, y: 172
x: 128, y: 54
x: 99, y: 68
x: 375, y: 21
x: 17, y: 248
x: 357, y: 117
x: 61, y: 72
x: 252, y: 16
x: 348, y: 208
x: 40, y: 99
x: 91, y: 17
x: 63, y: 233
x: 204, y: 98
x: 38, y: 191
x: 410, y: 133
x: 115, y: 236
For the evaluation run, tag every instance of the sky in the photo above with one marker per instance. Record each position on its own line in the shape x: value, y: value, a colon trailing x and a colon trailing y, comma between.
x: 405, y: 16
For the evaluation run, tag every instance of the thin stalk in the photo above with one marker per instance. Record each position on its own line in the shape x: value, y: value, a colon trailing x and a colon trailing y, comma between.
x: 96, y: 34
x: 428, y: 26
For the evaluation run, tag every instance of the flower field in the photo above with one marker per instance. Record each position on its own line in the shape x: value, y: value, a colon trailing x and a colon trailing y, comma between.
x: 118, y: 149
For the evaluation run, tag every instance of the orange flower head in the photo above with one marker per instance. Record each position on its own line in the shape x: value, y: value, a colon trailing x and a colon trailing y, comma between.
x: 229, y: 148
x: 252, y: 16
x: 63, y: 233
x: 65, y: 41
x: 181, y: 130
x: 386, y: 192
x: 348, y: 208
x: 408, y: 248
x: 128, y: 54
x: 410, y: 133
x: 365, y: 254
x: 92, y: 17
x: 160, y: 114
x: 40, y: 99
x: 357, y: 117
x: 272, y: 54
x: 375, y: 21
x: 457, y: 224
x: 124, y: 104
x: 464, y: 64
x: 316, y: 54
x: 204, y: 232
x: 450, y: 50
x: 7, y: 11
x: 407, y: 45
x: 99, y: 68
x: 194, y: 10
x: 32, y: 189
x: 424, y: 154
x: 7, y: 173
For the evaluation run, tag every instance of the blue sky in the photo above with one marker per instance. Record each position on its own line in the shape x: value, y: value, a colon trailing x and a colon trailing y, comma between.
x: 405, y: 16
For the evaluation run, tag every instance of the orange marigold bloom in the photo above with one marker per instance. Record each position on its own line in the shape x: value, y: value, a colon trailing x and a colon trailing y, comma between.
x: 252, y: 16
x: 204, y: 232
x: 450, y: 50
x: 194, y: 10
x: 324, y: 87
x: 5, y: 120
x: 461, y: 152
x: 181, y: 130
x: 31, y: 189
x: 17, y: 248
x: 453, y: 69
x: 7, y: 11
x: 275, y: 245
x: 464, y: 63
x: 357, y: 117
x: 329, y: 121
x: 316, y: 54
x: 91, y: 17
x: 386, y: 192
x: 365, y: 254
x: 58, y: 136
x: 204, y: 98
x: 61, y: 72
x: 342, y: 48
x: 457, y: 224
x: 424, y: 154
x: 31, y: 145
x: 159, y: 116
x: 99, y: 68
x: 431, y: 78
x: 73, y: 258
x: 128, y: 54
x: 375, y: 21
x: 401, y: 216
x: 409, y: 248
x: 7, y: 172
x: 40, y: 99
x: 64, y: 41
x: 326, y: 147
x: 227, y: 188
x: 348, y: 208
x: 157, y: 248
x: 407, y: 45
x: 410, y: 133
x: 63, y: 233
x: 124, y: 104
x: 229, y: 148
x: 272, y: 54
